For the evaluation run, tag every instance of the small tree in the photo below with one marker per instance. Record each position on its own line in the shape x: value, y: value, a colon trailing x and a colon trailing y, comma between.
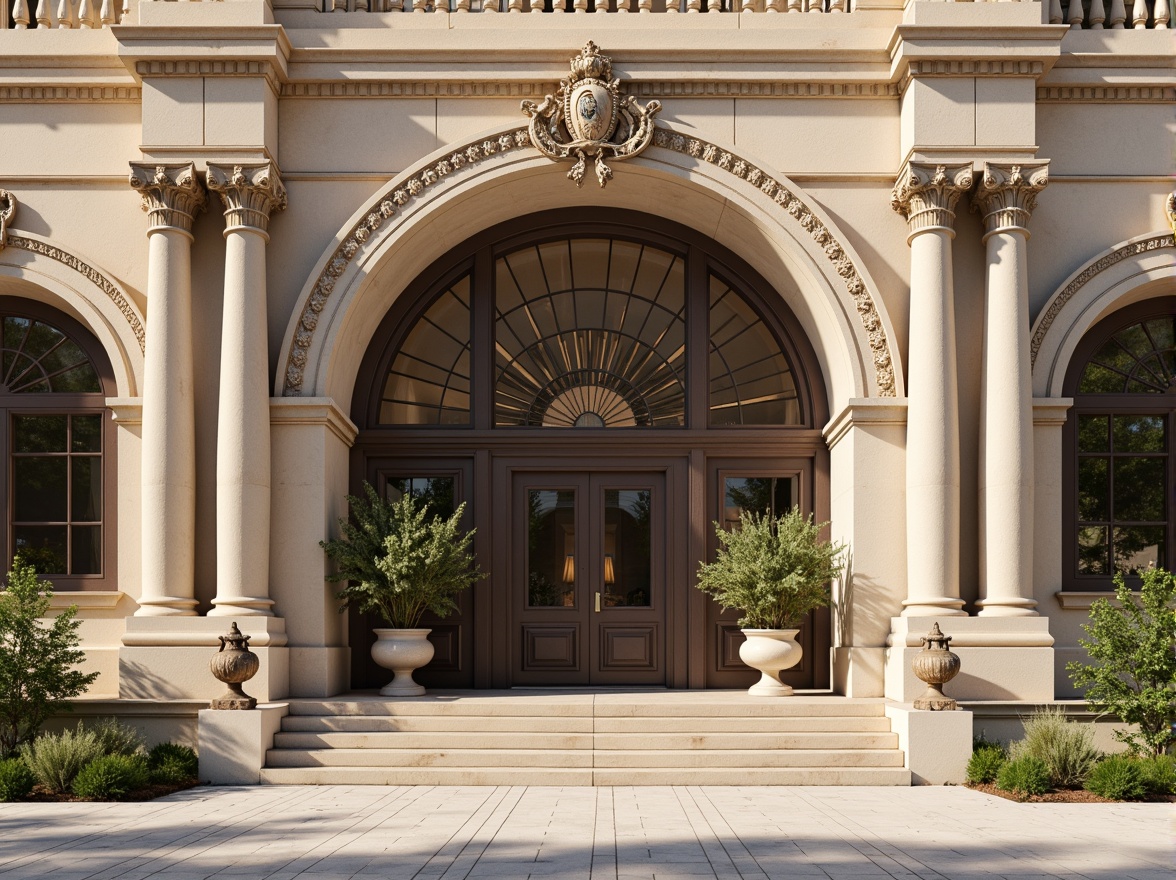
x: 773, y: 569
x: 1133, y: 674
x: 398, y: 563
x: 37, y: 659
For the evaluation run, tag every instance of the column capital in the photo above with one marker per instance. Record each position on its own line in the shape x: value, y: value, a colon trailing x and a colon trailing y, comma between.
x: 250, y: 193
x: 172, y: 194
x: 7, y: 212
x: 1006, y: 195
x: 926, y: 194
x: 1169, y: 209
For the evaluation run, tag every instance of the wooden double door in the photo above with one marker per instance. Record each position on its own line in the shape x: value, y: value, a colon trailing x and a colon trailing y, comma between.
x: 587, y: 577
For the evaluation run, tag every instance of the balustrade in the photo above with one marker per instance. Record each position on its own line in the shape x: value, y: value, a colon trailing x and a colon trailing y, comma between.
x: 584, y: 7
x: 68, y: 14
x: 1111, y: 14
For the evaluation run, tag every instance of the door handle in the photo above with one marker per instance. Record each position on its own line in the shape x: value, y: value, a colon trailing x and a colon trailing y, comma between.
x: 598, y: 603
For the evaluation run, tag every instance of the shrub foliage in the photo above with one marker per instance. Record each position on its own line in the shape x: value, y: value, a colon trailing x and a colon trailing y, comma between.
x: 1065, y: 747
x: 16, y: 780
x: 56, y: 759
x: 1118, y: 778
x: 37, y: 661
x: 1024, y: 776
x: 985, y: 764
x: 111, y: 777
x: 117, y: 738
x: 396, y: 562
x: 171, y: 764
x: 773, y: 569
x: 1133, y: 673
x: 1159, y: 774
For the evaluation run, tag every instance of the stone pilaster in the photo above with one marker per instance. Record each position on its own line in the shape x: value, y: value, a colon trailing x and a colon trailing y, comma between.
x: 172, y: 196
x: 926, y: 195
x: 1006, y: 196
x: 250, y: 193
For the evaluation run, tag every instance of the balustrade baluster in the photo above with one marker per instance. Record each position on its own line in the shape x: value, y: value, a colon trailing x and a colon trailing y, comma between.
x: 693, y: 6
x: 362, y: 6
x: 44, y: 14
x: 580, y: 7
x: 64, y: 14
x: 20, y: 15
x: 441, y: 6
x: 600, y: 6
x: 490, y: 6
x: 794, y: 6
x: 645, y: 5
x: 1163, y: 15
x: 1055, y: 12
x: 1117, y: 15
x: 747, y: 6
x: 1097, y: 15
x: 106, y: 13
x: 815, y: 5
x: 837, y: 5
x: 462, y: 6
x: 774, y: 6
x: 1139, y: 14
x: 1075, y: 14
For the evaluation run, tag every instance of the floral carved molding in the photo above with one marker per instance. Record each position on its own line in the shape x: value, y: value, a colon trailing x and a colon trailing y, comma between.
x: 1143, y: 246
x: 390, y: 205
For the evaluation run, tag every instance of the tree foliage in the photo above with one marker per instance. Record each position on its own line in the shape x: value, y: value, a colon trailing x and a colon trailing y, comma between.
x: 1132, y: 644
x: 773, y: 569
x: 397, y: 562
x: 38, y: 658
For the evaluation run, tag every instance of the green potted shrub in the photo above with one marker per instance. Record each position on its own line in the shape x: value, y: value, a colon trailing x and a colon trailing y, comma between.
x: 775, y: 570
x: 396, y: 561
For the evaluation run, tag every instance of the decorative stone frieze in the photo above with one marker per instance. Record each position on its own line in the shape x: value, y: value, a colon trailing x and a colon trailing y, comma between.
x: 703, y: 88
x: 250, y: 193
x: 588, y: 118
x: 1137, y: 94
x: 926, y: 194
x: 1151, y: 243
x: 172, y: 194
x: 398, y: 196
x: 70, y: 95
x: 7, y: 212
x: 1007, y: 194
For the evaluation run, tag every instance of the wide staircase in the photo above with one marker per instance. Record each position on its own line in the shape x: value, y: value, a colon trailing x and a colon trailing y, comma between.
x: 542, y: 737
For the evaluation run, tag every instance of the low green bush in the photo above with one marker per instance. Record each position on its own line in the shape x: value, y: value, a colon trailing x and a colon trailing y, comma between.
x: 985, y: 763
x: 1118, y: 778
x: 16, y: 779
x: 1025, y: 775
x: 117, y: 738
x: 171, y: 764
x: 1159, y: 774
x: 111, y: 777
x: 1065, y: 747
x: 55, y: 759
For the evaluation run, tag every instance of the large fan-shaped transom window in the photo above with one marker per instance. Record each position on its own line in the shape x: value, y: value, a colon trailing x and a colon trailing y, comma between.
x: 592, y: 331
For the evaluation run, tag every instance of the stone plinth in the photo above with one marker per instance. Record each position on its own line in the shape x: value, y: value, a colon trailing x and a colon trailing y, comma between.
x: 937, y: 745
x: 232, y: 744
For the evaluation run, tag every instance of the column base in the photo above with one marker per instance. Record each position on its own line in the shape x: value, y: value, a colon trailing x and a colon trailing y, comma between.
x: 166, y: 606
x: 241, y: 606
x: 1014, y: 607
x: 926, y: 606
x: 859, y: 672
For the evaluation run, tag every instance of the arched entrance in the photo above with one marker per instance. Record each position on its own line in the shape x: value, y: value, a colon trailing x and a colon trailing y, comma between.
x: 598, y: 386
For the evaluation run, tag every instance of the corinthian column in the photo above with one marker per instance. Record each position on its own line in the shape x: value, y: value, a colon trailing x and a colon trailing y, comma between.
x: 172, y: 195
x: 250, y: 193
x: 926, y: 195
x: 1006, y: 196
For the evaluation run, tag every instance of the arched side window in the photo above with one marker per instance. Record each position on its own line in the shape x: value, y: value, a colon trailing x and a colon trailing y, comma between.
x: 57, y: 443
x: 594, y: 329
x: 1121, y: 447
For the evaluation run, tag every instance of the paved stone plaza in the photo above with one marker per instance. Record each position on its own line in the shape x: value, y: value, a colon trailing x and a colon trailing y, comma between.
x: 341, y: 832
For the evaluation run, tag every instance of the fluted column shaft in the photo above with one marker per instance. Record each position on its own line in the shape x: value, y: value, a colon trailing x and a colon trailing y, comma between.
x: 172, y: 195
x: 250, y: 193
x: 1006, y: 196
x: 926, y: 195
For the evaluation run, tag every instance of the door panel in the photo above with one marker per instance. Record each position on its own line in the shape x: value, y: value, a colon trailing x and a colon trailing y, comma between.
x: 588, y: 581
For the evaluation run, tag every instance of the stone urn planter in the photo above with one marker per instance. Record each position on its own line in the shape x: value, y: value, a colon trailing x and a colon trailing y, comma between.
x: 770, y: 652
x: 403, y: 651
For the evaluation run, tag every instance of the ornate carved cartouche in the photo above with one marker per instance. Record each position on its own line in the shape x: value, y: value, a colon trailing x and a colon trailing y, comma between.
x: 234, y: 664
x: 935, y: 665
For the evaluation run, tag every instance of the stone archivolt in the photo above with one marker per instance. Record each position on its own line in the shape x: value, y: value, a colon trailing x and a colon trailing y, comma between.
x: 1007, y: 194
x: 400, y: 195
x: 172, y: 194
x: 250, y: 193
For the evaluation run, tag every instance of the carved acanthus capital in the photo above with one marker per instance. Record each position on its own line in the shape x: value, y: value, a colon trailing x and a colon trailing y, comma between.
x: 7, y: 212
x: 172, y: 194
x: 1007, y: 194
x: 250, y: 193
x: 926, y: 194
x: 1170, y: 210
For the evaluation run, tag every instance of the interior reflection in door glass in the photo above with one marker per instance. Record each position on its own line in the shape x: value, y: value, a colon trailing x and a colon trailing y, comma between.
x: 625, y: 568
x: 771, y: 495
x: 437, y: 492
x: 551, y: 548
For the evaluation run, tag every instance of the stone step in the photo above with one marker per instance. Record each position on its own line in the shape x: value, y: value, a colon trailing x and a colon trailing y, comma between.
x: 562, y: 776
x: 625, y: 741
x: 527, y: 724
x: 640, y: 759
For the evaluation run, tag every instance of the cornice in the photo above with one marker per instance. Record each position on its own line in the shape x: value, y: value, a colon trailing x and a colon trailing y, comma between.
x: 14, y: 94
x: 728, y: 88
x: 1106, y: 94
x: 254, y: 50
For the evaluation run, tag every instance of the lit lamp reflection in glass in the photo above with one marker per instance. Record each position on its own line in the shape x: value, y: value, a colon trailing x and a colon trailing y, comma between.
x: 569, y: 572
x: 610, y: 572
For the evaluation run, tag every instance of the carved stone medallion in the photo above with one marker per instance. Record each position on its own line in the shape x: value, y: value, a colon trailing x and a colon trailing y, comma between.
x: 589, y: 118
x: 7, y: 212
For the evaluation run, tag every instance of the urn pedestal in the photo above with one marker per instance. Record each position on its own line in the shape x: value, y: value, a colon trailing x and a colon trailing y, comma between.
x: 402, y: 651
x: 770, y: 651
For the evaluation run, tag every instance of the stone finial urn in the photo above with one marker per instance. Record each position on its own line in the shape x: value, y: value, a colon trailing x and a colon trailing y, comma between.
x: 935, y: 665
x: 234, y: 664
